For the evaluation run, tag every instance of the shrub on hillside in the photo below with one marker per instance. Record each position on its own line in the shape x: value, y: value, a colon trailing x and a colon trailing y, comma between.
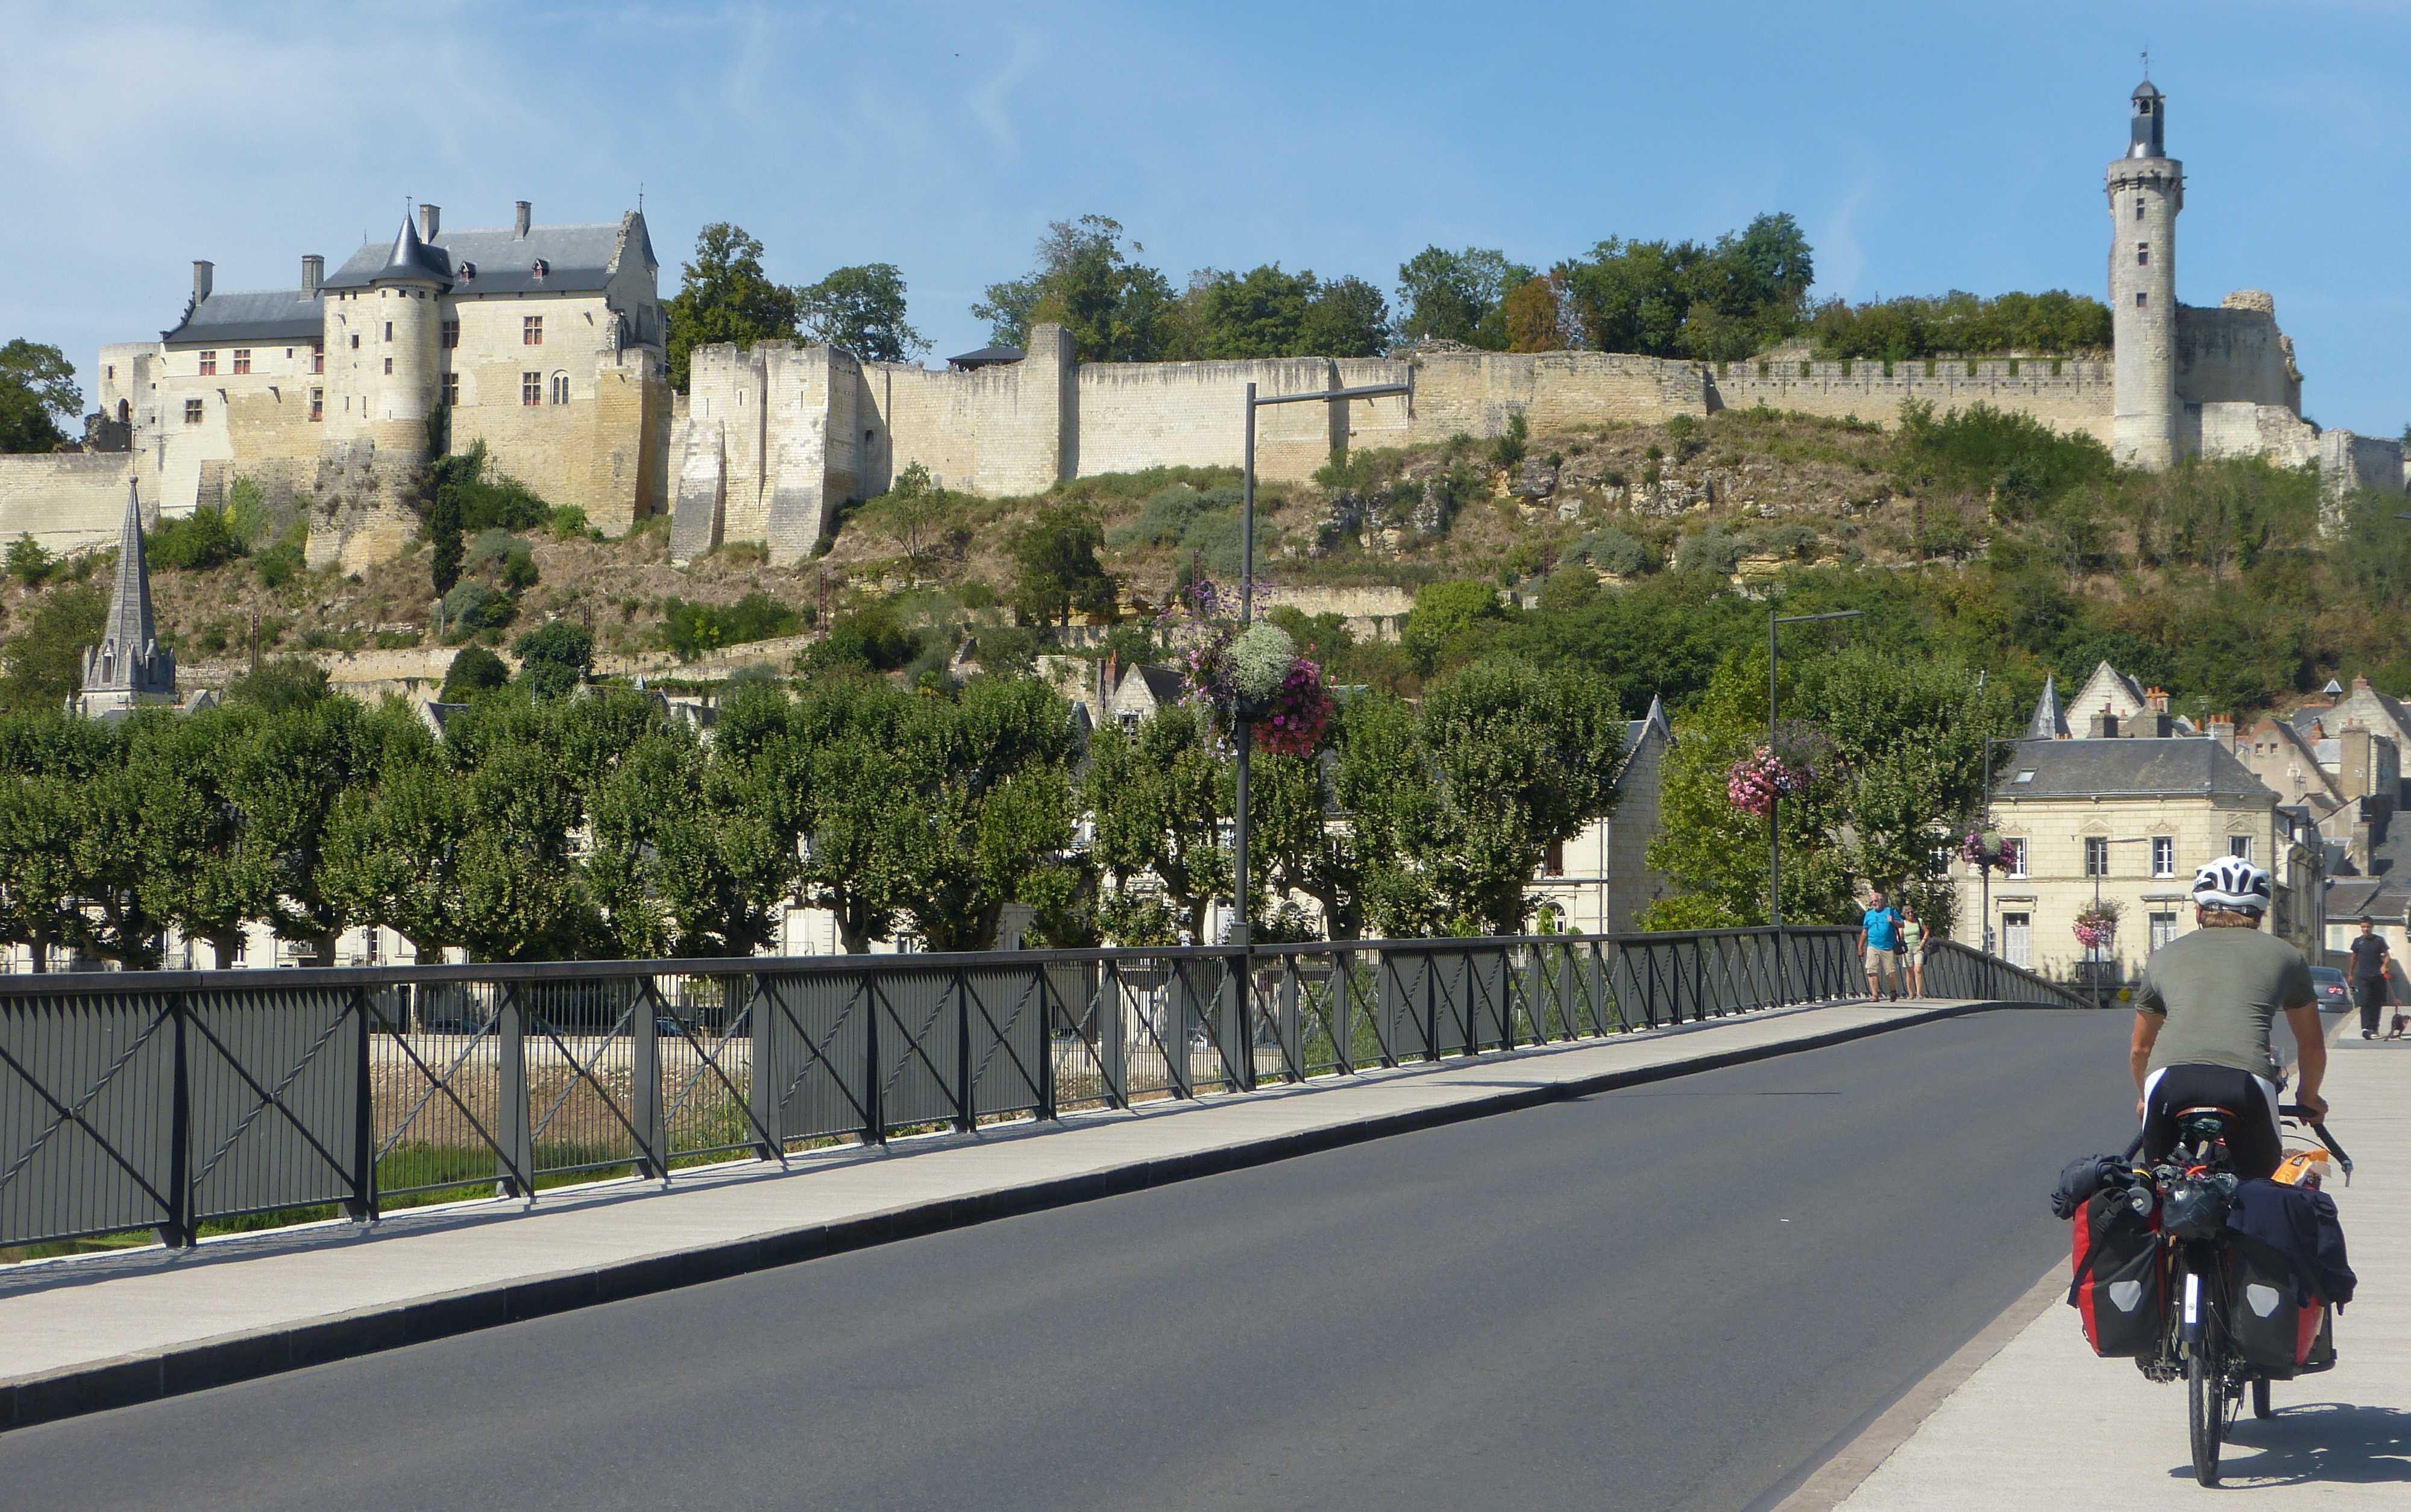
x: 475, y: 672
x: 2015, y: 458
x: 1713, y: 550
x: 468, y: 489
x: 195, y: 542
x: 692, y: 628
x: 1611, y: 550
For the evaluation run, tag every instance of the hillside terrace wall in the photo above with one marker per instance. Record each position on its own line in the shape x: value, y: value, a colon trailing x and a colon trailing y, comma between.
x: 68, y: 501
x: 2075, y: 397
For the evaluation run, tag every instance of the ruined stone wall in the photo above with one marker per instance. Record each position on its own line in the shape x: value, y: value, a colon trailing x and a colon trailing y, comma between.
x: 2235, y: 354
x: 2239, y: 428
x: 66, y: 501
x: 2067, y: 394
x: 1000, y: 431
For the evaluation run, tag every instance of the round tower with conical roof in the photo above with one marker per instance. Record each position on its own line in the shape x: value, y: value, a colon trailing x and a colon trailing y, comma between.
x: 405, y: 328
x: 2146, y: 190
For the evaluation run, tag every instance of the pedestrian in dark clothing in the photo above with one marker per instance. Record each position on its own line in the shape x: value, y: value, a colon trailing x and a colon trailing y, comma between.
x: 2369, y: 965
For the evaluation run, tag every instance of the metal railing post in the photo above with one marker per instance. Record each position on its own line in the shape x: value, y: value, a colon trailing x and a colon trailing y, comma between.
x: 645, y: 1082
x: 362, y: 1205
x: 767, y: 1082
x: 512, y: 1127
x: 1044, y: 986
x: 1343, y: 1012
x: 1180, y: 1013
x: 966, y: 1075
x: 1238, y: 998
x: 1112, y: 1039
x: 1293, y: 1042
x: 179, y: 1231
x: 875, y: 1089
x: 1431, y: 1008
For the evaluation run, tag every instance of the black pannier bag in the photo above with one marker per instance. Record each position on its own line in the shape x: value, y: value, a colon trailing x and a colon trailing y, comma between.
x: 2273, y: 1318
x: 2119, y: 1288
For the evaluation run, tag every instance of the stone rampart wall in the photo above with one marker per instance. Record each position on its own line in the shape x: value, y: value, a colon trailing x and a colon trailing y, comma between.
x: 1475, y: 393
x: 1136, y: 416
x: 2075, y: 397
x: 66, y: 501
x: 998, y: 431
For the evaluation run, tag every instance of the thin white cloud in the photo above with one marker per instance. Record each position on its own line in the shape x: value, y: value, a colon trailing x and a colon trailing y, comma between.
x: 990, y: 103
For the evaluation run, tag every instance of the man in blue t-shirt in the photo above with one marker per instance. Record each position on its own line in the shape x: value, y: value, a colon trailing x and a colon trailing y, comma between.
x: 1880, y: 945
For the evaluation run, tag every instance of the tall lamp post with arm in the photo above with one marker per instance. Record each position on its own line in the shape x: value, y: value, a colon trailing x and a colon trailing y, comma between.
x: 1240, y: 933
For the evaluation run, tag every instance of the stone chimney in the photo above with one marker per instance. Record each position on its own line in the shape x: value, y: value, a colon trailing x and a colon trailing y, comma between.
x: 2222, y: 729
x: 313, y: 270
x: 2102, y: 726
x: 429, y: 218
x: 2155, y: 700
x: 521, y: 220
x: 1109, y: 679
x: 204, y: 275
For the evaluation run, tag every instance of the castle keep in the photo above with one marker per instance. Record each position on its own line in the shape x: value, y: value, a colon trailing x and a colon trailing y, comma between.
x: 546, y: 342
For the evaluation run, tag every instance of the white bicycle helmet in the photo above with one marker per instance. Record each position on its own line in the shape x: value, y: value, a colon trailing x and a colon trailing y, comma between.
x: 2231, y: 883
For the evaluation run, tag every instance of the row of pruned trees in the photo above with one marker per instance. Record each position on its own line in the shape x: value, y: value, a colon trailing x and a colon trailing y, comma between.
x: 603, y: 825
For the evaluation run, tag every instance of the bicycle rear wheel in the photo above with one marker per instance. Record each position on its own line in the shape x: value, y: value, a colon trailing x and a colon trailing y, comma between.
x: 2205, y: 1401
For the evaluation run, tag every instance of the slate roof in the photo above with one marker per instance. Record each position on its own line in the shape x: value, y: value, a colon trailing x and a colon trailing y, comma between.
x: 577, y: 258
x: 259, y: 315
x: 2084, y: 768
x: 1635, y: 730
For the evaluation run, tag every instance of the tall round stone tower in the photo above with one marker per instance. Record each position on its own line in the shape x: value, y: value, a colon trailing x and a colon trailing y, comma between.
x: 2146, y: 190
x: 404, y: 330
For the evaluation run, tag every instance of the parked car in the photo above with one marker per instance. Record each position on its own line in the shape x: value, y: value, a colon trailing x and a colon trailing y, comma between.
x: 2335, y: 994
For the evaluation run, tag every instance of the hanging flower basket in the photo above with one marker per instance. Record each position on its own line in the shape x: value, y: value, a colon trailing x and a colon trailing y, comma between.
x: 2097, y: 925
x: 1254, y: 674
x: 1756, y: 780
x: 1984, y: 850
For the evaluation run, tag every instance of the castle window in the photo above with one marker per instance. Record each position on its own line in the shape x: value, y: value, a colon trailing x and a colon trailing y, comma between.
x: 192, y: 411
x: 2139, y: 207
x: 2142, y: 300
x: 242, y: 359
x: 451, y: 388
x: 531, y: 388
x: 317, y: 404
x: 389, y: 367
x: 356, y: 341
x: 561, y: 388
x: 2142, y: 254
x: 389, y: 330
x: 209, y: 364
x: 2240, y: 847
x: 111, y: 371
x: 452, y: 334
x: 532, y: 330
x: 318, y: 357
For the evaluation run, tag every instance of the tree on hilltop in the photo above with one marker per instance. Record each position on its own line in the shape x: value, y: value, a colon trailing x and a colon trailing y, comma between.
x: 725, y: 297
x: 1113, y: 308
x: 1457, y: 295
x: 862, y: 309
x: 36, y: 384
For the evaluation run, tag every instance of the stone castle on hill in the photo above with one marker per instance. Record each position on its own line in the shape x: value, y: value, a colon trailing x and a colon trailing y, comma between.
x: 546, y: 342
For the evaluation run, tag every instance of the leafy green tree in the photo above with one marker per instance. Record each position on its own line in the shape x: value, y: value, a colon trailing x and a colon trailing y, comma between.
x: 685, y: 859
x: 1160, y: 795
x: 395, y: 847
x: 994, y: 806
x: 1260, y: 314
x: 1458, y: 295
x: 1445, y: 614
x: 298, y: 763
x: 36, y: 384
x: 285, y: 684
x: 1684, y: 299
x: 194, y: 543
x: 861, y: 310
x: 41, y: 666
x: 847, y: 771
x: 475, y: 671
x: 200, y: 870
x: 554, y: 658
x: 1114, y: 309
x: 28, y: 562
x: 1056, y: 569
x: 724, y: 296
x: 1347, y: 318
x: 40, y: 813
x: 1513, y: 761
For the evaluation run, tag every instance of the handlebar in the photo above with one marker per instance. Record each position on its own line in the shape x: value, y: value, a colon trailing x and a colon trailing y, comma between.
x: 2302, y: 1115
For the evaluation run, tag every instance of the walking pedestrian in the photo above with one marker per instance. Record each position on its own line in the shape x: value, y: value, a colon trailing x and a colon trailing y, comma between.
x: 1880, y: 945
x: 1912, y: 948
x: 2369, y: 962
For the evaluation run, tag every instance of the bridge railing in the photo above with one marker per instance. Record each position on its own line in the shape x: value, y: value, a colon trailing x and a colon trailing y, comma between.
x: 1953, y: 969
x: 168, y: 1100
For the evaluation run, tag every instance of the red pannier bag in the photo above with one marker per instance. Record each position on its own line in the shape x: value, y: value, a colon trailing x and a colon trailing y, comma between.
x: 2276, y: 1321
x: 2120, y: 1287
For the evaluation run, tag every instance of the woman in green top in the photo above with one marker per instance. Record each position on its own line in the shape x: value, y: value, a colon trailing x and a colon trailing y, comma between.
x: 1912, y: 950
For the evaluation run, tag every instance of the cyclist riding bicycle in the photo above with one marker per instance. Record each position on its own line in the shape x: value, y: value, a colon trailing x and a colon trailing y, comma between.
x: 2202, y: 1019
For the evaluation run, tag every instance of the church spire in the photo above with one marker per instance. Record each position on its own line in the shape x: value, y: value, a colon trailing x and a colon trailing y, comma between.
x: 129, y: 666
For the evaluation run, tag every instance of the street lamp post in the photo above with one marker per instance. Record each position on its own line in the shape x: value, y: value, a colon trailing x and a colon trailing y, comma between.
x: 1775, y: 803
x: 1240, y: 932
x: 2107, y: 841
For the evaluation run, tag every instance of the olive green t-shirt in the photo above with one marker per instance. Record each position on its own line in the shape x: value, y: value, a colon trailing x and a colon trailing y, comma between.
x: 2219, y: 989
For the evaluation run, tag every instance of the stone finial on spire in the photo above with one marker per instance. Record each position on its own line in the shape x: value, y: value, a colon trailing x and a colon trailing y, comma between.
x: 2050, y: 722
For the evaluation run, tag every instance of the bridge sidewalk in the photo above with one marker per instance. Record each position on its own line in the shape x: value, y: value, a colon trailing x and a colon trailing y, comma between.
x: 97, y: 1332
x: 2044, y: 1423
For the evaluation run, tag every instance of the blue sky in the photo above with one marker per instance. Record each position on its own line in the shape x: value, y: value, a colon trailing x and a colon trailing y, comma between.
x: 1923, y: 146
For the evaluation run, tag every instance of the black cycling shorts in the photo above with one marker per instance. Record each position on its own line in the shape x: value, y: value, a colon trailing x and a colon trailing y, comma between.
x: 2254, y: 1142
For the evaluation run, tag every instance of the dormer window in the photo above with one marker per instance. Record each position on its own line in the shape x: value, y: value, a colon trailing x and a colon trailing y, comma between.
x: 542, y: 268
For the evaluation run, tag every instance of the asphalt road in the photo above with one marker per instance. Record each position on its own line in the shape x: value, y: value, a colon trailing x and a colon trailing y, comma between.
x: 1675, y: 1295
